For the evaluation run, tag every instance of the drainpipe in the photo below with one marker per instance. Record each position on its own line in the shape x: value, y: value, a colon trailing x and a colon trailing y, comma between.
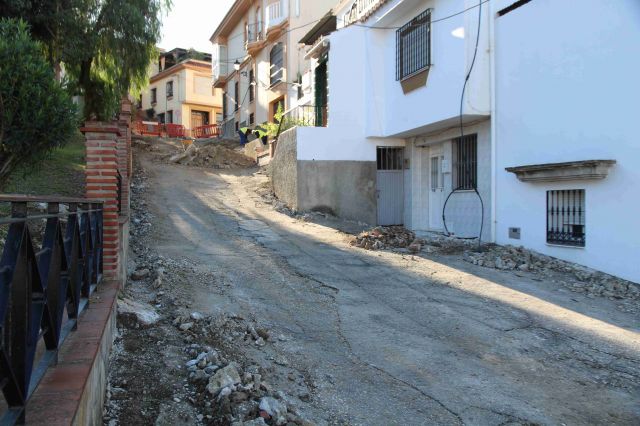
x: 492, y: 72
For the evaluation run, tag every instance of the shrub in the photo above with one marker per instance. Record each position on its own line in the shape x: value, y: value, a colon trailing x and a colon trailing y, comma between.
x: 36, y: 113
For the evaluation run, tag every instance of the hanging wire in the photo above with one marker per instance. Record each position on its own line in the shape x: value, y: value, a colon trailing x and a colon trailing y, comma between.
x: 474, y: 184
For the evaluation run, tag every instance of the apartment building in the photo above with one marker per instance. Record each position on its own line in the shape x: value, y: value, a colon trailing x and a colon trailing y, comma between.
x: 180, y: 90
x: 400, y: 145
x: 257, y: 62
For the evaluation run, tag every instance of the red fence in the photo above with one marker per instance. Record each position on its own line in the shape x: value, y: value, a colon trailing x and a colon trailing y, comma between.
x: 208, y: 131
x: 150, y: 128
x: 174, y: 130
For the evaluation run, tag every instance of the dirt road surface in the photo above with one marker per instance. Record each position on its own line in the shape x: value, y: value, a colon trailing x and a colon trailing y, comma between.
x: 384, y: 338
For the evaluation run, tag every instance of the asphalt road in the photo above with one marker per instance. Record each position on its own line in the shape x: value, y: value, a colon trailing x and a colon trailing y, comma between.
x: 392, y: 339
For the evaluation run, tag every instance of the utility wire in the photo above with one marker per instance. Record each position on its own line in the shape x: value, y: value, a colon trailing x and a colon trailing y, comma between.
x: 464, y: 87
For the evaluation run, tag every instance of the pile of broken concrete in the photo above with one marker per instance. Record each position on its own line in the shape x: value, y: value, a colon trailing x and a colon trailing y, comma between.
x: 577, y: 278
x: 386, y: 237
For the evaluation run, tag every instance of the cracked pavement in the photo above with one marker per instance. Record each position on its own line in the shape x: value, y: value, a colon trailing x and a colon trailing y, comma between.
x: 386, y: 338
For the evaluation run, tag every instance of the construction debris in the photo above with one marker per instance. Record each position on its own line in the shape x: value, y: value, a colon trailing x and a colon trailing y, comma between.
x: 385, y: 237
x: 211, y: 153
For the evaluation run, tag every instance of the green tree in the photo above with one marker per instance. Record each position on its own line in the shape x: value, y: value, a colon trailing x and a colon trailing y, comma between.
x: 36, y: 112
x: 106, y: 46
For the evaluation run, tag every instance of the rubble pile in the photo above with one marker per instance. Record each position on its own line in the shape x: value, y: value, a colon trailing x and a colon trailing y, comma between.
x: 577, y: 278
x: 211, y: 153
x: 384, y: 237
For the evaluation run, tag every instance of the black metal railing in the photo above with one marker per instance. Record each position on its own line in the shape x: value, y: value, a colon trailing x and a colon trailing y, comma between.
x: 51, y: 263
x: 303, y: 116
x: 566, y: 217
x: 413, y: 46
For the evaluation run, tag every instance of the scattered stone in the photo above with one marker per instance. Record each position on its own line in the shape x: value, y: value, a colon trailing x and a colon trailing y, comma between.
x: 136, y: 313
x: 185, y: 326
x: 197, y: 316
x: 224, y: 377
x: 140, y: 274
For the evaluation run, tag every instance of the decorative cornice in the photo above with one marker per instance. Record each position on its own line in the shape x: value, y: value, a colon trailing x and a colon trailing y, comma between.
x: 573, y: 170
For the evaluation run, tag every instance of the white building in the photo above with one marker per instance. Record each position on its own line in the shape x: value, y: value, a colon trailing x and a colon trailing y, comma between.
x: 567, y: 91
x: 391, y: 151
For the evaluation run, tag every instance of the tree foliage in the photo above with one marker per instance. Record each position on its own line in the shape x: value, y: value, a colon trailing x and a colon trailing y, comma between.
x: 106, y: 46
x: 36, y: 112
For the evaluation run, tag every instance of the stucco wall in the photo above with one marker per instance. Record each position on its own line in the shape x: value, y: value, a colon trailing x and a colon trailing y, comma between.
x: 571, y: 93
x: 284, y: 169
x: 344, y: 188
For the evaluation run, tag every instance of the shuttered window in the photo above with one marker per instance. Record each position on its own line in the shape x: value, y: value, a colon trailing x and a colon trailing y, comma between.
x: 276, y: 59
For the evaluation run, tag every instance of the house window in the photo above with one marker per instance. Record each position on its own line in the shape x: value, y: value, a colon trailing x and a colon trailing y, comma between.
x: 276, y: 59
x: 251, y: 119
x: 252, y: 88
x: 465, y: 162
x: 169, y: 89
x: 237, y: 126
x: 161, y: 118
x: 413, y: 46
x: 169, y: 116
x: 389, y: 158
x: 224, y: 104
x: 566, y: 217
x: 154, y: 96
x: 236, y: 94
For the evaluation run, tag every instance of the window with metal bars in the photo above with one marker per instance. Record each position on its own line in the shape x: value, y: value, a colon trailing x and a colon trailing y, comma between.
x: 413, y: 46
x: 465, y: 162
x: 389, y: 158
x: 169, y: 89
x: 566, y: 217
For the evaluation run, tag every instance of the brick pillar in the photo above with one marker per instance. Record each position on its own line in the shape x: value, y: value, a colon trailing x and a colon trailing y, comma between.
x: 124, y: 154
x: 101, y: 183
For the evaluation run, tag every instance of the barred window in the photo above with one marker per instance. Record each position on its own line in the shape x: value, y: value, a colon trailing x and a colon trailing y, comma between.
x: 169, y: 89
x: 465, y: 162
x: 252, y: 88
x: 413, y: 46
x: 154, y: 96
x: 566, y: 217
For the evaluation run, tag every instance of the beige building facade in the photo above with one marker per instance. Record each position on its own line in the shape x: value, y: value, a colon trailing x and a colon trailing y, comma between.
x: 182, y: 94
x: 257, y: 60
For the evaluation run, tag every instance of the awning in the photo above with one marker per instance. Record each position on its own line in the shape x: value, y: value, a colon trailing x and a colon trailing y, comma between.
x: 323, y: 27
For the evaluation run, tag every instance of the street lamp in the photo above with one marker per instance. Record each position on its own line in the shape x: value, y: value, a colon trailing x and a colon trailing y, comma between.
x: 236, y: 65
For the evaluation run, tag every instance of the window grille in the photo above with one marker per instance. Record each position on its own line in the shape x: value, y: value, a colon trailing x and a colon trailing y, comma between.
x: 169, y: 89
x: 465, y: 163
x: 413, y: 46
x: 224, y: 105
x: 276, y: 58
x: 154, y: 93
x: 389, y: 158
x: 252, y: 88
x: 169, y: 117
x: 566, y: 217
x: 251, y: 119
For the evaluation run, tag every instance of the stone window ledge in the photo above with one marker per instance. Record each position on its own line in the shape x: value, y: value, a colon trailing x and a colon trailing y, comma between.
x: 573, y: 170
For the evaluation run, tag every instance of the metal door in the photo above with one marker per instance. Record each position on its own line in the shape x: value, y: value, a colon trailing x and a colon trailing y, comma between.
x: 390, y: 185
x: 436, y: 189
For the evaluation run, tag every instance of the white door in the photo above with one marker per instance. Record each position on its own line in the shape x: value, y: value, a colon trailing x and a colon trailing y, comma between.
x: 436, y: 189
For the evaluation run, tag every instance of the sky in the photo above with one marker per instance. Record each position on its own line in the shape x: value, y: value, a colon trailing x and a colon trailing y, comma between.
x: 190, y: 23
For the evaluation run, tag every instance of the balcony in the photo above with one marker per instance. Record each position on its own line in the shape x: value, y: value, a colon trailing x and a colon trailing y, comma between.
x: 256, y: 39
x: 219, y: 65
x: 277, y: 17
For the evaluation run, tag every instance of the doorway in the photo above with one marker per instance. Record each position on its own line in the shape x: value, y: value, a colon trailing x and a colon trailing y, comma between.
x: 436, y: 187
x: 199, y: 118
x: 390, y: 185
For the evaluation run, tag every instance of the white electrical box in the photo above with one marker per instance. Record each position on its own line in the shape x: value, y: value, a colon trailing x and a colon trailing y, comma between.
x: 446, y: 166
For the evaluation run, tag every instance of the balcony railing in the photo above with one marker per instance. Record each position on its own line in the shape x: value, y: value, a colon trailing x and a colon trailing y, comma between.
x: 276, y: 14
x: 255, y: 33
x: 219, y: 62
x: 51, y: 264
x: 304, y: 116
